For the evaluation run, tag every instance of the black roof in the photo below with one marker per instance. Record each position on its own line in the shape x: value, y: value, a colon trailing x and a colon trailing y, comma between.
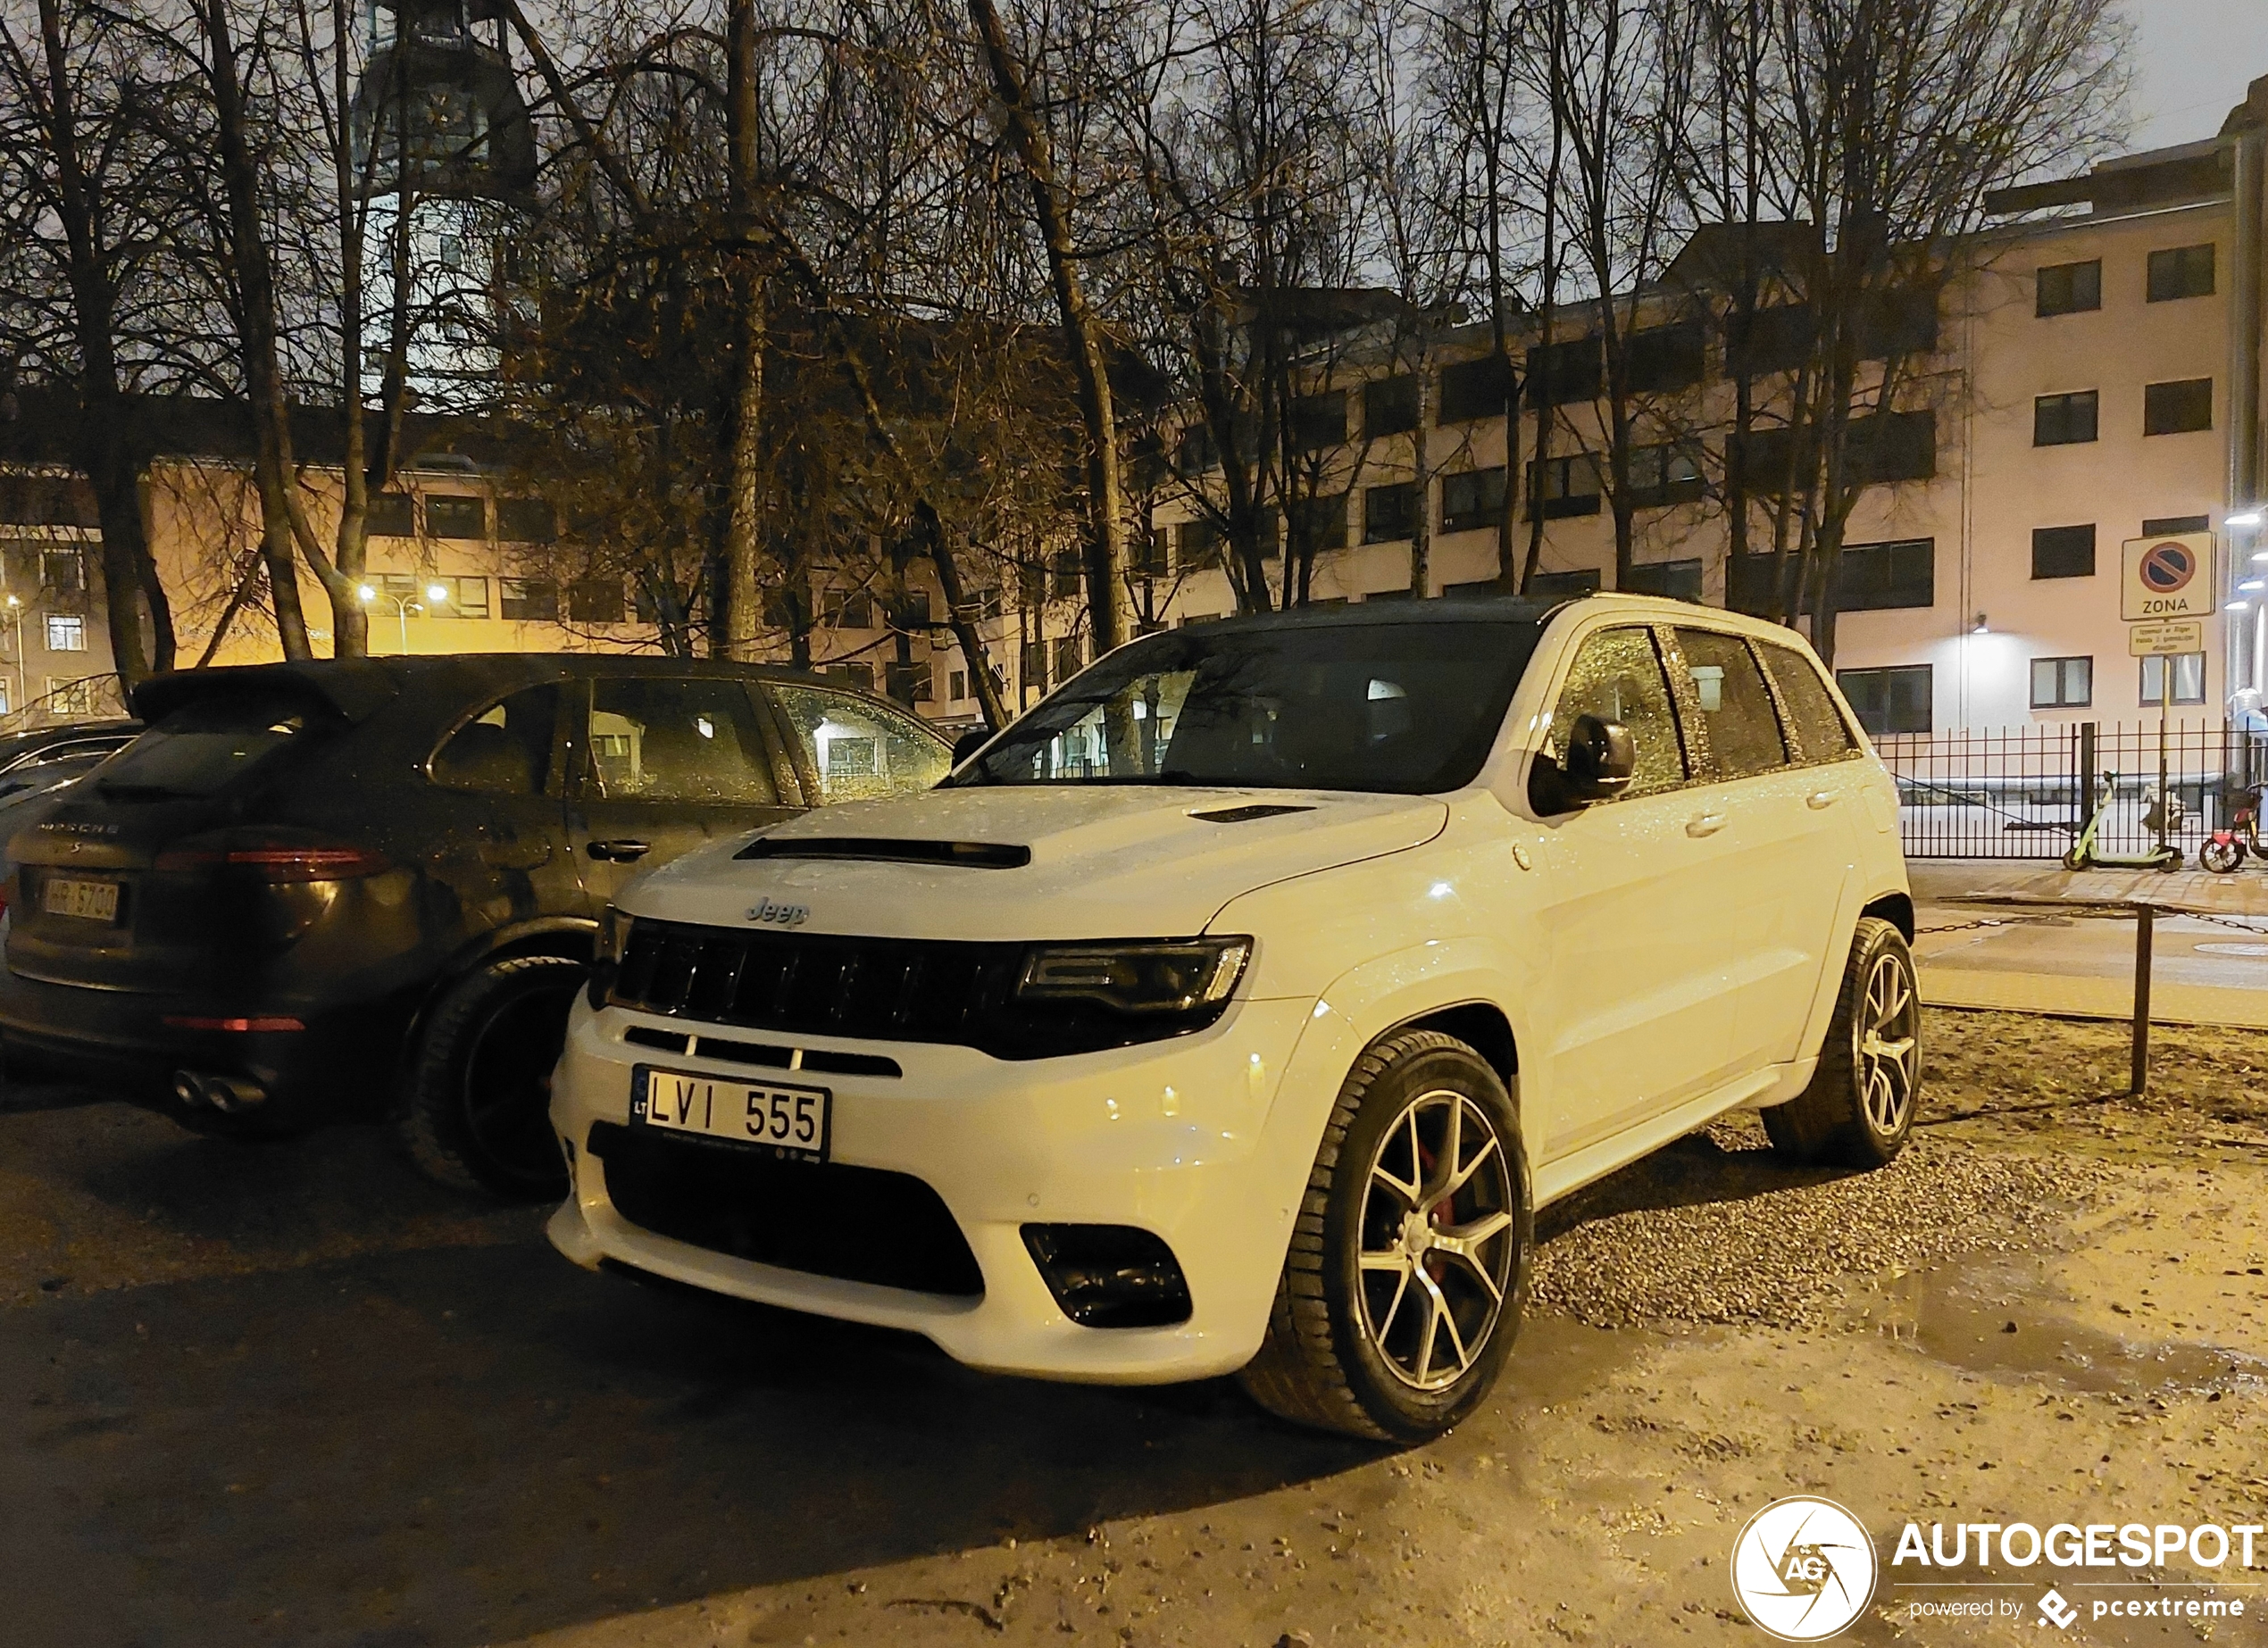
x: 359, y: 688
x: 1444, y: 610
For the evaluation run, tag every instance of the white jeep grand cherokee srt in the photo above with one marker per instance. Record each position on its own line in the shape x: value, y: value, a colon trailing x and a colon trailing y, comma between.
x: 1235, y: 1009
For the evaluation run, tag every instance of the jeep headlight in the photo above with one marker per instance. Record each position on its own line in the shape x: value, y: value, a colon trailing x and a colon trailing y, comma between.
x: 1176, y: 975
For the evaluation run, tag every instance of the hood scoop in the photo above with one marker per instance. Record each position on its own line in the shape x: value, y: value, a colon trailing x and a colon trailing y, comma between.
x: 880, y: 850
x: 1247, y: 814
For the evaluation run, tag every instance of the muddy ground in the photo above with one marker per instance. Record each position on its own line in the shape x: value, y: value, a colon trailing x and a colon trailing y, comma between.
x: 289, y: 1395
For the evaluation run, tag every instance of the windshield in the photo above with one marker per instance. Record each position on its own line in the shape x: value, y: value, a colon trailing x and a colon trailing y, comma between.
x: 1402, y: 708
x: 205, y: 747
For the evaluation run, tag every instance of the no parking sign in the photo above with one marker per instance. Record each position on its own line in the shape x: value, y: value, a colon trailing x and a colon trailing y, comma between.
x: 2169, y: 576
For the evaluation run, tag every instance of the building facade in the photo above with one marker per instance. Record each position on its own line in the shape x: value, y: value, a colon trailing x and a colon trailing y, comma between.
x: 2094, y: 379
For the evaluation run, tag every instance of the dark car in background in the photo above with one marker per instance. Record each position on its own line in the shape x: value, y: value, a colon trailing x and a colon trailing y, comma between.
x: 316, y: 892
x: 39, y: 763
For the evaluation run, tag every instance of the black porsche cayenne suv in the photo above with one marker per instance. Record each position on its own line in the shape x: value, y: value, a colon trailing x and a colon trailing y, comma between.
x: 370, y: 887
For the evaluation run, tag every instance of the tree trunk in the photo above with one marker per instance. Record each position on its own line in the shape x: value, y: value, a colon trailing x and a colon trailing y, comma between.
x: 100, y: 443
x: 1421, y: 473
x: 256, y: 325
x: 1105, y: 549
x: 743, y: 528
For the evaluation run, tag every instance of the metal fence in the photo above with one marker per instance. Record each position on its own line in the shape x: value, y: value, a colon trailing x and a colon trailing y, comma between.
x: 2021, y: 792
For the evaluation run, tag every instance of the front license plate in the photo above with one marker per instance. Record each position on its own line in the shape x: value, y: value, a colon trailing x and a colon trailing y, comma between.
x: 91, y: 900
x: 788, y: 1122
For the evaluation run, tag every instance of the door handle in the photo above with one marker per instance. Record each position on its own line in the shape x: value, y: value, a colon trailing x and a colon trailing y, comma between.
x: 618, y: 852
x: 1706, y: 823
x: 1819, y: 800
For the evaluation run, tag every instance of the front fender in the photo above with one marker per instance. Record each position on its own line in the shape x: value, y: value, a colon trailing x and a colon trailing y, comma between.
x: 1363, y: 1003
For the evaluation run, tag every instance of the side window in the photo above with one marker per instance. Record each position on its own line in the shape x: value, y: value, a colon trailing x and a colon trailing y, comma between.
x: 1736, y: 705
x: 1618, y: 676
x: 687, y: 741
x: 505, y: 751
x: 861, y: 750
x: 1819, y: 725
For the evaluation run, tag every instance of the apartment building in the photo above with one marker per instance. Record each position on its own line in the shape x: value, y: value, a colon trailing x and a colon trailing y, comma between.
x: 459, y: 559
x: 2091, y: 378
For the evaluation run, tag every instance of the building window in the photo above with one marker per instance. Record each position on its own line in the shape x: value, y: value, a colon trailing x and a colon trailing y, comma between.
x: 1033, y: 662
x: 1565, y: 486
x: 526, y: 521
x: 1889, y: 701
x: 595, y: 601
x: 2063, y: 419
x: 1474, y: 389
x: 2177, y: 408
x: 2181, y: 271
x: 1473, y: 500
x: 62, y: 575
x: 1891, y: 446
x: 1678, y: 579
x: 1662, y: 359
x: 1068, y: 659
x: 1389, y: 513
x: 2062, y: 552
x: 2068, y: 288
x: 1319, y: 524
x: 529, y: 600
x: 1779, y: 341
x: 1316, y: 421
x: 1666, y: 474
x: 468, y: 596
x: 70, y: 697
x: 1064, y: 574
x: 2062, y: 683
x: 1901, y: 321
x: 956, y: 685
x: 456, y: 515
x: 1390, y: 405
x: 849, y: 610
x: 65, y: 633
x: 1876, y: 577
x: 2188, y: 678
x: 1151, y: 553
x: 1194, y: 455
x: 1562, y: 372
x: 1196, y: 545
x: 390, y: 515
x: 910, y: 682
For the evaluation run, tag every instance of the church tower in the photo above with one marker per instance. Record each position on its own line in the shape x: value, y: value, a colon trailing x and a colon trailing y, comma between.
x: 445, y: 157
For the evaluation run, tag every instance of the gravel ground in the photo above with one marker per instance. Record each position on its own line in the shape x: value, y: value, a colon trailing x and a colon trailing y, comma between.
x: 1716, y: 1230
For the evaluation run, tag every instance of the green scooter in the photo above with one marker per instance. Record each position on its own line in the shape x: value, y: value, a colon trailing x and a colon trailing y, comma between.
x: 2084, y: 855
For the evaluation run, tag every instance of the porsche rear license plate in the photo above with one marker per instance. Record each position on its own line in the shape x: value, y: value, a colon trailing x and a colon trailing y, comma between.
x: 787, y: 1121
x: 69, y: 895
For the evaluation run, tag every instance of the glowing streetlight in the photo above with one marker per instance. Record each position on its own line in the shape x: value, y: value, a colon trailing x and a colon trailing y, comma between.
x: 368, y: 594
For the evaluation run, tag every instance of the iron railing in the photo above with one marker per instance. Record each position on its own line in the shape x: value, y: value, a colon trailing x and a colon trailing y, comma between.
x: 2023, y: 792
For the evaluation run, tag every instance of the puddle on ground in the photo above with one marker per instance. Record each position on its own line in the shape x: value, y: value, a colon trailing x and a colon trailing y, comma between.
x: 1958, y: 1314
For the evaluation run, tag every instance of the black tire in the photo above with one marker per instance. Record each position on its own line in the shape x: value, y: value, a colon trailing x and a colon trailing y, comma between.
x: 1323, y: 1363
x: 1853, y: 1113
x: 2222, y: 858
x: 477, y: 1097
x: 2072, y: 859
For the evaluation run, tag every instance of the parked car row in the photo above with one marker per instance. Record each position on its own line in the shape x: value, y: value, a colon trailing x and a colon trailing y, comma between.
x: 1233, y: 1011
x: 312, y: 892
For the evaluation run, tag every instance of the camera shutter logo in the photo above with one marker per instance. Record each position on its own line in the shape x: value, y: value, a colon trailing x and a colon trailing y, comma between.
x: 1803, y: 1568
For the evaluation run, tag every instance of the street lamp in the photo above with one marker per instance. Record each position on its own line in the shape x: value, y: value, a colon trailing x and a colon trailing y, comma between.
x: 366, y: 594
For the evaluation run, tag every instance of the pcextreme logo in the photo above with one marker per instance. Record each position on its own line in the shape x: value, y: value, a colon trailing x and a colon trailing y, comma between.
x: 1803, y: 1568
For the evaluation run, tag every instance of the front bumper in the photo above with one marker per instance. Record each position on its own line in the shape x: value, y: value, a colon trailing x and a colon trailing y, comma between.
x: 1173, y: 1137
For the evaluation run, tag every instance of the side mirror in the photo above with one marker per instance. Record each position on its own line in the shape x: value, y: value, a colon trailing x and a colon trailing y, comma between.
x: 1600, y: 760
x: 969, y: 743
